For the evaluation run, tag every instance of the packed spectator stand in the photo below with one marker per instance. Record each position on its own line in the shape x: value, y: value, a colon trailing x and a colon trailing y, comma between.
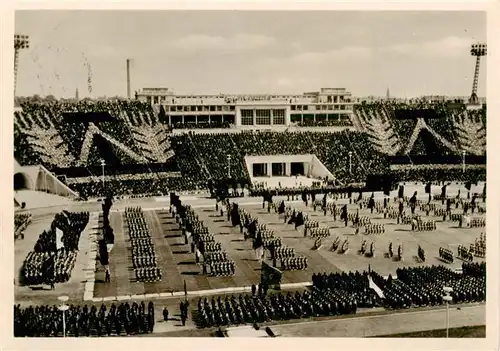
x: 201, y: 156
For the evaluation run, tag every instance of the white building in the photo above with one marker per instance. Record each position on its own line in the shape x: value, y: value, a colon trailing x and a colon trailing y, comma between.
x: 329, y: 104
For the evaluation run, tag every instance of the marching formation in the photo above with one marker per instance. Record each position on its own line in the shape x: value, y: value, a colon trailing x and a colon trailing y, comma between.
x: 54, y: 255
x: 143, y: 250
x: 47, y: 321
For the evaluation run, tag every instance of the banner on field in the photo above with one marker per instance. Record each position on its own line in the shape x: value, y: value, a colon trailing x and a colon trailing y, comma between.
x: 59, y: 236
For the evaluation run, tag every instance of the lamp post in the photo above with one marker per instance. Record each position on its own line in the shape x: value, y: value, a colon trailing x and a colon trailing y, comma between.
x: 478, y: 50
x: 463, y: 161
x: 229, y: 166
x: 63, y: 308
x: 350, y: 162
x: 20, y: 42
x: 447, y: 297
x: 103, y: 163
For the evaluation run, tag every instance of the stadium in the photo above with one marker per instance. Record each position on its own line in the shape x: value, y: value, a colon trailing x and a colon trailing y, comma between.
x: 164, y: 214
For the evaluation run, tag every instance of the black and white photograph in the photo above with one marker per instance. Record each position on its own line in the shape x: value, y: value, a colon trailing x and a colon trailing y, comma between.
x: 250, y: 174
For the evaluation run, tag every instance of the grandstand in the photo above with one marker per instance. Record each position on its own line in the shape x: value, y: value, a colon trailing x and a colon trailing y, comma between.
x: 142, y: 151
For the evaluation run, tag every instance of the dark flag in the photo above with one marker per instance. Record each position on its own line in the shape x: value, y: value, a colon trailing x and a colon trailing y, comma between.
x: 258, y: 246
x: 235, y: 216
x: 185, y: 290
x: 270, y: 276
x: 401, y: 191
x: 103, y: 253
x: 468, y: 185
x: 258, y: 243
x: 300, y: 220
x: 428, y: 188
x: 281, y: 209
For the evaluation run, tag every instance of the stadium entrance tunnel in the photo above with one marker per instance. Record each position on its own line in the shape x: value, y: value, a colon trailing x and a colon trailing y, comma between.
x: 22, y: 181
x: 297, y: 168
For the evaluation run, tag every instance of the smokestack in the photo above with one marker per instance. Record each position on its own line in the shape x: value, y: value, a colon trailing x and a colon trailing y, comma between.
x: 128, y: 79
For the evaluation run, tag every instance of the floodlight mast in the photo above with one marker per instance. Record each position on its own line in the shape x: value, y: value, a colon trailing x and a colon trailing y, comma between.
x: 20, y: 42
x: 478, y: 50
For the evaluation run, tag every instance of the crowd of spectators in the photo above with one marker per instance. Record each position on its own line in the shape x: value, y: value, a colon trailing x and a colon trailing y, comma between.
x: 200, y: 157
x: 53, y: 259
x: 439, y: 173
x: 326, y: 123
x: 201, y: 125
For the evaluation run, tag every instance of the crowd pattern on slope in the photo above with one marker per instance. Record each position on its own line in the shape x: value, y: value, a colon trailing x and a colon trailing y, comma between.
x: 143, y: 156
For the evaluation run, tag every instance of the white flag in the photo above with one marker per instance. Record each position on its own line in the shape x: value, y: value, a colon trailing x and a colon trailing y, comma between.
x: 375, y: 287
x: 59, y: 235
x: 259, y: 252
x: 109, y: 247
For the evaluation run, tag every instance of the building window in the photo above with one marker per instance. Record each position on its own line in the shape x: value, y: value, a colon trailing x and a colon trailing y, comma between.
x: 186, y: 108
x: 247, y: 117
x: 193, y: 108
x: 206, y: 108
x: 320, y: 117
x: 219, y: 108
x: 279, y: 117
x: 149, y: 99
x: 263, y: 117
x: 293, y: 107
x: 173, y: 108
x: 305, y: 108
x: 295, y: 117
x: 212, y: 108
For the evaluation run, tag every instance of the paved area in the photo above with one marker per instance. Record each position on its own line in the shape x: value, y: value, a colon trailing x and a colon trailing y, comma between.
x: 177, y: 263
x: 366, y: 326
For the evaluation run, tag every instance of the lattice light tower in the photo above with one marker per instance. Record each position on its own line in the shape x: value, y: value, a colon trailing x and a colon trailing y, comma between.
x: 477, y: 50
x: 20, y: 42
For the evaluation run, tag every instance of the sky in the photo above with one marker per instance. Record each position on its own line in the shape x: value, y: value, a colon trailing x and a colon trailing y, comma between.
x: 205, y: 52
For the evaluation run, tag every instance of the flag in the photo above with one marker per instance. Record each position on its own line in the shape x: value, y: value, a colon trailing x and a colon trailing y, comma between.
x: 257, y: 243
x: 300, y: 220
x: 185, y: 290
x: 270, y: 275
x: 258, y: 246
x: 103, y: 253
x: 281, y: 209
x: 428, y: 188
x: 468, y: 185
x: 375, y: 287
x: 59, y: 236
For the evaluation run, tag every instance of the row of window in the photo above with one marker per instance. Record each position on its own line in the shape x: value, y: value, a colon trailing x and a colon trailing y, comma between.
x: 296, y: 117
x: 262, y: 117
x: 201, y: 108
x: 318, y: 107
x: 198, y: 119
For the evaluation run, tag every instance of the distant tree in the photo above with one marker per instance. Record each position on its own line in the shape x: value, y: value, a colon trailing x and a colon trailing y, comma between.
x: 50, y: 98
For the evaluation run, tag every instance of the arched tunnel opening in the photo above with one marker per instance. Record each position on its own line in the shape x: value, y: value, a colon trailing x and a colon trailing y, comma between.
x: 21, y: 181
